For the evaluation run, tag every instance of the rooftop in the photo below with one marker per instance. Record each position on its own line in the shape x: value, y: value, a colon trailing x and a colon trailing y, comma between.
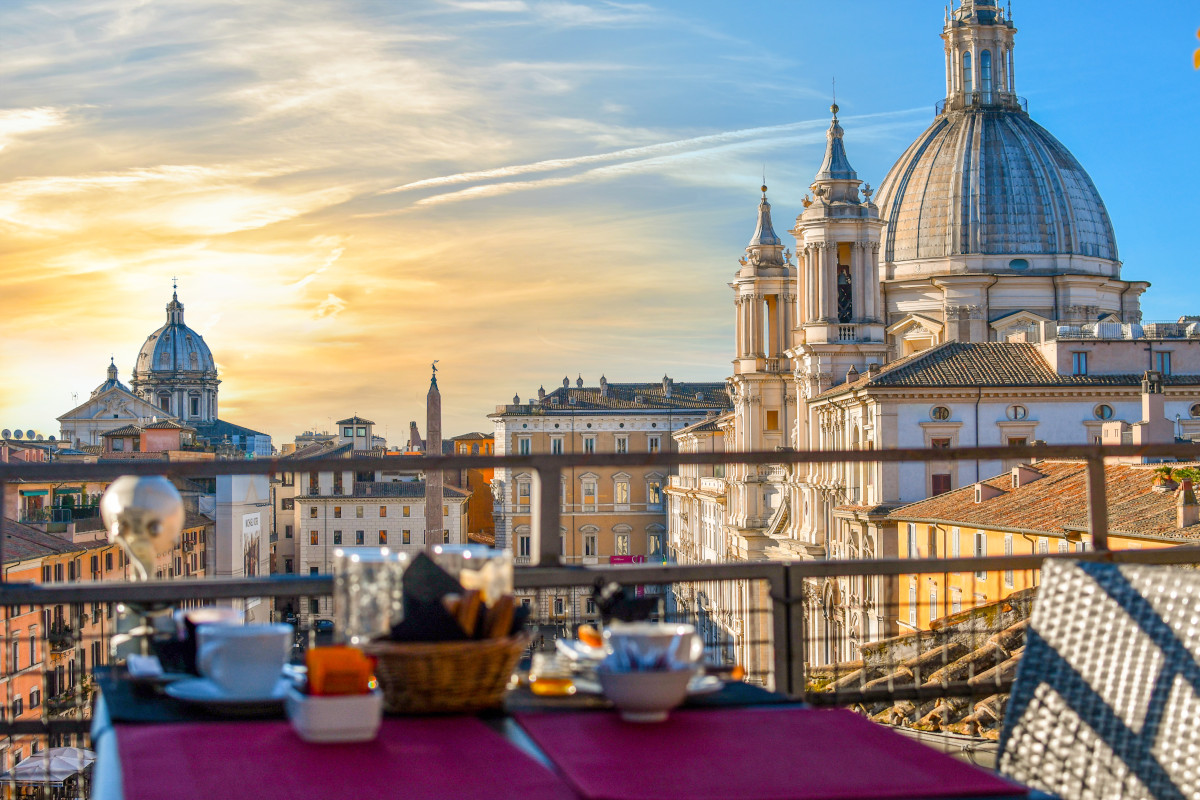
x: 1056, y: 503
x: 645, y: 397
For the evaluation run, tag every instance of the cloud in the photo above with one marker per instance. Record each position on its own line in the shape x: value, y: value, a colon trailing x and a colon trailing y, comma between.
x: 330, y: 307
x: 18, y: 122
x: 493, y: 6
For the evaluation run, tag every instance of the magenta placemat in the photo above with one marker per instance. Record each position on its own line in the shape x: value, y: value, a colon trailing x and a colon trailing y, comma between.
x: 764, y: 754
x: 415, y: 759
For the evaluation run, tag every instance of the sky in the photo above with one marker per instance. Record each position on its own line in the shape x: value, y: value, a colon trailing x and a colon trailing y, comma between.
x: 523, y: 190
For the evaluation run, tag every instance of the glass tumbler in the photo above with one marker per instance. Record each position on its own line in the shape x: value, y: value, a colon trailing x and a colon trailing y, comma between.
x: 368, y: 592
x: 477, y: 567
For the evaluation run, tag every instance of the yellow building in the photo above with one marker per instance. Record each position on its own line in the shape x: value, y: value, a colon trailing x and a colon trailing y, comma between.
x: 1038, y: 508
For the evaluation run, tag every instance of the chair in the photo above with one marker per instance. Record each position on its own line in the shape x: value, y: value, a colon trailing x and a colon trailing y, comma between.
x: 1106, y: 703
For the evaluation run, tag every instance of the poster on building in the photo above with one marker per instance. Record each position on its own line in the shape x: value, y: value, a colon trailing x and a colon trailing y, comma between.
x: 251, y: 543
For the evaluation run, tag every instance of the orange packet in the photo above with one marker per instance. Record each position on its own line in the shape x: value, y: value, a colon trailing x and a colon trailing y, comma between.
x: 338, y: 670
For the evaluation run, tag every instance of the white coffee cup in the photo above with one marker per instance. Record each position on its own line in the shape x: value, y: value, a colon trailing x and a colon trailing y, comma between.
x: 647, y: 642
x: 243, y: 660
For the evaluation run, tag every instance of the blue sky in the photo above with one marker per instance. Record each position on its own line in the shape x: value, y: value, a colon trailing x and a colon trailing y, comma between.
x: 522, y: 189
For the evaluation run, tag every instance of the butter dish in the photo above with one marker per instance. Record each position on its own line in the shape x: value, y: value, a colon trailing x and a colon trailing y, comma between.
x: 335, y: 718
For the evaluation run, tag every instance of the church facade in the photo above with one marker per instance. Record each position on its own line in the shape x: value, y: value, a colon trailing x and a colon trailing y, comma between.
x: 975, y: 299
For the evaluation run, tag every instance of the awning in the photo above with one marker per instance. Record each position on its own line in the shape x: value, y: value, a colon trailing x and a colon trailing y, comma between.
x: 33, y: 492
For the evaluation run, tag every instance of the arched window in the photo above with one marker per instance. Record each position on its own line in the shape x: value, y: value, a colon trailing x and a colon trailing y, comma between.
x: 967, y: 85
x: 985, y: 75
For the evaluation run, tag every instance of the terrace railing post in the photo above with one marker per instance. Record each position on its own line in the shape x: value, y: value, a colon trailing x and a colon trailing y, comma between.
x: 787, y: 616
x: 546, y: 515
x: 3, y: 515
x: 1097, y: 497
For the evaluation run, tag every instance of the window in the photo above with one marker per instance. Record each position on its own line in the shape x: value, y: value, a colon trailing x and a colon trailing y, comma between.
x: 591, y: 605
x: 313, y: 484
x: 1044, y: 546
x: 312, y: 512
x: 194, y: 409
x: 589, y: 544
x: 1063, y: 547
x: 1008, y: 551
x: 337, y: 483
x: 58, y: 572
x: 1017, y: 412
x: 933, y: 606
x: 314, y: 538
x: 524, y: 446
x: 772, y: 421
x: 1079, y: 363
x: 382, y: 512
x: 589, y: 495
x: 1103, y: 411
x: 1194, y: 411
x: 622, y: 544
x: 653, y: 444
x: 108, y: 564
x: 445, y: 511
x: 985, y: 75
x: 19, y: 706
x: 956, y: 543
x: 654, y: 494
x: 287, y: 533
x: 337, y: 512
x: 287, y: 566
x: 1163, y: 362
x: 621, y: 493
x: 622, y: 444
x: 912, y: 603
x: 524, y: 541
x: 955, y: 601
x: 968, y: 86
x: 559, y: 606
x: 940, y: 483
x: 980, y: 551
x: 912, y: 540
x: 383, y: 537
x: 46, y: 574
x: 16, y: 656
x: 523, y: 493
x: 348, y: 432
x: 362, y: 431
x: 556, y: 446
x: 337, y: 537
x: 407, y: 510
x: 1017, y: 441
x: 406, y: 536
x: 360, y: 537
x: 445, y: 537
x: 654, y: 544
x: 314, y: 605
x: 589, y: 444
x: 939, y: 413
x: 358, y: 512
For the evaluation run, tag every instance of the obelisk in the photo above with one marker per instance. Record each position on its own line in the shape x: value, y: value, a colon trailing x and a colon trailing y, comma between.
x: 435, y: 523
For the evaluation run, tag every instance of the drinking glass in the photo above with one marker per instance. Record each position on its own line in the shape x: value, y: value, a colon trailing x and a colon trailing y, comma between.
x: 368, y: 592
x: 477, y: 567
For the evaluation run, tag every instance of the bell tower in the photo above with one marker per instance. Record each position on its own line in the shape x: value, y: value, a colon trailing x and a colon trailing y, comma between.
x: 762, y: 402
x: 839, y: 305
x: 979, y: 56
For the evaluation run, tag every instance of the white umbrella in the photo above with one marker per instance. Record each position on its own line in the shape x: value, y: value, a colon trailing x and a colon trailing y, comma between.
x: 51, y: 766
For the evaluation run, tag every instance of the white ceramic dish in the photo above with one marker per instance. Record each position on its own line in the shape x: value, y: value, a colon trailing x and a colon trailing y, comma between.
x: 645, y: 696
x: 578, y: 651
x: 337, y: 718
x: 202, y: 691
x: 699, y: 685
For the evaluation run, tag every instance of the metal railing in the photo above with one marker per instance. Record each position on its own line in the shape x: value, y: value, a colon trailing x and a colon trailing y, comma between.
x: 778, y: 607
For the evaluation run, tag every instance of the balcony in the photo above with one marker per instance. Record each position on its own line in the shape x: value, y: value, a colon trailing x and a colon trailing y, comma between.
x: 841, y: 633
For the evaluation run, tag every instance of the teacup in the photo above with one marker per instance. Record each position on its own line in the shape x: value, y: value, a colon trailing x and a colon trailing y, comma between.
x: 243, y: 660
x: 652, y: 645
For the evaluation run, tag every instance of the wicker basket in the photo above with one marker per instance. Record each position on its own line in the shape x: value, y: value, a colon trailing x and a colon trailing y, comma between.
x: 445, y: 677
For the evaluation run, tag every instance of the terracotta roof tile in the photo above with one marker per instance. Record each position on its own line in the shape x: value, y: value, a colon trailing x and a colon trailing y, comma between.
x: 1057, y: 502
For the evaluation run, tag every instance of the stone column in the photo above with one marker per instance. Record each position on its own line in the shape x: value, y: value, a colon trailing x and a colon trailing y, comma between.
x: 830, y: 271
x: 756, y: 331
x: 859, y: 280
x: 434, y: 499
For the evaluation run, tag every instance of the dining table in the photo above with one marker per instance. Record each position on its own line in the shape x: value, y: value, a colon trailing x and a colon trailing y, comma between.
x: 739, y: 743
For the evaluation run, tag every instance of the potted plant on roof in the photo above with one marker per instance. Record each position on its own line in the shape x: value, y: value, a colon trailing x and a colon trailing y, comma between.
x: 1164, y: 479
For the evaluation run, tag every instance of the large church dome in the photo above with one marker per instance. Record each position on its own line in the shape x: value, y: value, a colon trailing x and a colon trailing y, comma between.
x: 994, y: 182
x: 175, y: 369
x: 985, y: 188
x: 174, y: 347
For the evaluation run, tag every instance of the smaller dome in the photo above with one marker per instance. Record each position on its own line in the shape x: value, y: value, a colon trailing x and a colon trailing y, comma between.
x: 174, y: 348
x: 112, y: 381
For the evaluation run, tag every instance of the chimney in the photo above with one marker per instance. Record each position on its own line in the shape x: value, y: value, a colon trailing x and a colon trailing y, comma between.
x: 1023, y: 474
x: 667, y: 382
x: 1187, y: 510
x: 541, y: 393
x: 851, y: 375
x: 1154, y: 427
x: 985, y: 492
x: 566, y: 382
x: 872, y: 371
x: 603, y: 386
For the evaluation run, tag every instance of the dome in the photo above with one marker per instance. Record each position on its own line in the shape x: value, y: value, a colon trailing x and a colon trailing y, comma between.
x: 991, y: 181
x: 111, y: 382
x: 173, y: 348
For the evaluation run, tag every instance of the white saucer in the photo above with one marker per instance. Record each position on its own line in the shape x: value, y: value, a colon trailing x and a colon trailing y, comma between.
x: 203, y: 691
x: 703, y: 684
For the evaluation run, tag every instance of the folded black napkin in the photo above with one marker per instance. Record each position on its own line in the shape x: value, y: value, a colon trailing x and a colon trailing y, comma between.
x: 425, y: 617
